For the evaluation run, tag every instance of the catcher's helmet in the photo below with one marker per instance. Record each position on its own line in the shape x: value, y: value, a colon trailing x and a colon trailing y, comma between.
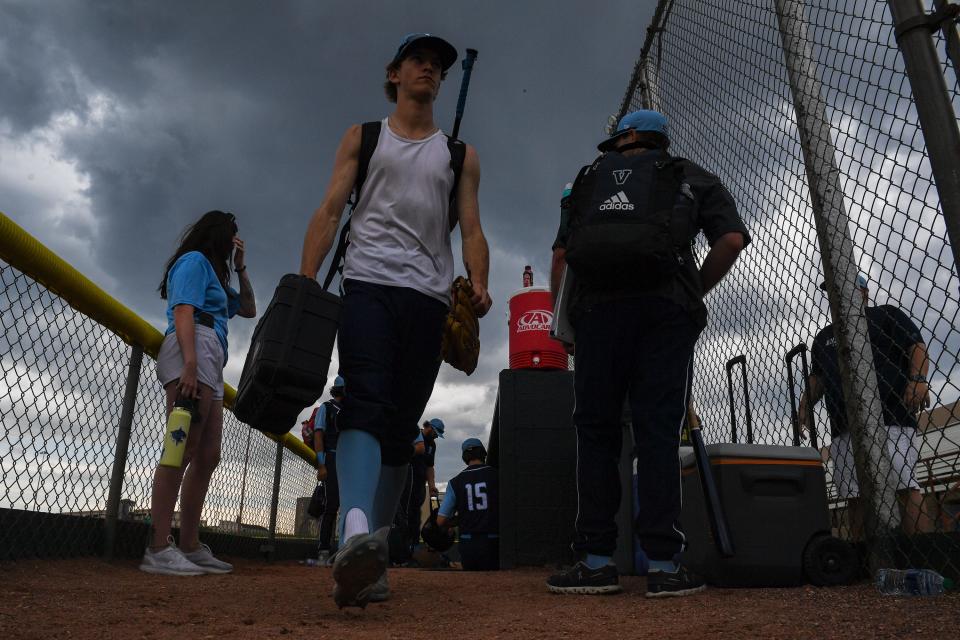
x: 436, y: 536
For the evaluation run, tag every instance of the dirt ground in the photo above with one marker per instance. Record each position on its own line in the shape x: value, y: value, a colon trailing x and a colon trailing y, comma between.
x: 91, y: 598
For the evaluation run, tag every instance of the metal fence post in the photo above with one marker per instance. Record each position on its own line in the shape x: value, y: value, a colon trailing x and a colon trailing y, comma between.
x: 120, y: 455
x: 641, y: 73
x: 271, y: 546
x: 934, y: 109
x: 857, y: 372
x: 243, y: 484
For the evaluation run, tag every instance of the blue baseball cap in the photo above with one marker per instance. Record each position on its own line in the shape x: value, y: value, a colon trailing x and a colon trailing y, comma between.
x: 862, y: 282
x: 641, y: 120
x: 445, y: 50
x: 338, y: 385
x: 470, y: 443
x: 437, y: 425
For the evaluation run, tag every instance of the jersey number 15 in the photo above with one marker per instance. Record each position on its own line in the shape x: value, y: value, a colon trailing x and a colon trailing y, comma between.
x: 477, y: 496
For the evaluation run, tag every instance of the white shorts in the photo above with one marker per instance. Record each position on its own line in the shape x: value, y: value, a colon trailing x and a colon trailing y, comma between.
x: 903, y: 448
x: 209, y: 360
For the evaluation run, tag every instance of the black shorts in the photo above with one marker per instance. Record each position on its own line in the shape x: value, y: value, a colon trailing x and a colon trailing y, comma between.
x: 389, y: 347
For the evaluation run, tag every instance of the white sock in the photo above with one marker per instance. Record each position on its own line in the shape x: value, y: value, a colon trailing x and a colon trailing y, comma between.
x: 355, y: 524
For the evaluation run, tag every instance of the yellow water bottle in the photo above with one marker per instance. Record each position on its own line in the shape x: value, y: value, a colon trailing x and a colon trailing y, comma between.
x: 178, y: 428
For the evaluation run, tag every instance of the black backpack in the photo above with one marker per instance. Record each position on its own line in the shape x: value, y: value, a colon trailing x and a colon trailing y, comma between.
x: 369, y: 136
x: 624, y: 236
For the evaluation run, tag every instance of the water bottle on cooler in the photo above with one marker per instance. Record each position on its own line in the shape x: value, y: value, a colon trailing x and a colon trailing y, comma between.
x: 178, y: 428
x: 528, y: 276
x: 911, y: 582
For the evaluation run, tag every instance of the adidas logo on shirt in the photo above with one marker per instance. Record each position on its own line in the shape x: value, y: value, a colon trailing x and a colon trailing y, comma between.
x: 617, y: 202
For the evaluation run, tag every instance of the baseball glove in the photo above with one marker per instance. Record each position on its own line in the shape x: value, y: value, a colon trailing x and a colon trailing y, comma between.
x: 461, y: 333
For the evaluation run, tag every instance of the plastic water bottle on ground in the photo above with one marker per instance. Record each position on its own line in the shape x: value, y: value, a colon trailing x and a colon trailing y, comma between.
x: 911, y: 582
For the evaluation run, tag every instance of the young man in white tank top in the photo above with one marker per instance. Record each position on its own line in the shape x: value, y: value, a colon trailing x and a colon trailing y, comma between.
x: 397, y: 278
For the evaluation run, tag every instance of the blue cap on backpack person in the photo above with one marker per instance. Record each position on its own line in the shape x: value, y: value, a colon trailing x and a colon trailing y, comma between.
x: 640, y: 120
x: 446, y: 51
x: 338, y: 387
x: 471, y: 443
x: 436, y: 424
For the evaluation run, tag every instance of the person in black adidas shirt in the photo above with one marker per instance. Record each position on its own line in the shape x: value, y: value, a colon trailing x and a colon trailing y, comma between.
x: 474, y: 495
x: 637, y: 310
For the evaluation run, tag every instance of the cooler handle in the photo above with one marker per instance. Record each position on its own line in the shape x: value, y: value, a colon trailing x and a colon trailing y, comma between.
x: 749, y: 478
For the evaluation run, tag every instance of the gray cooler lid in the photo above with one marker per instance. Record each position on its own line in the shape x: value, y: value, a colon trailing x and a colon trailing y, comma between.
x: 754, y: 451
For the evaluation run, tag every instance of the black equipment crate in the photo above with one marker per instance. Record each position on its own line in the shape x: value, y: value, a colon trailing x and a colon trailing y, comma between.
x: 775, y: 500
x: 289, y: 357
x: 534, y: 445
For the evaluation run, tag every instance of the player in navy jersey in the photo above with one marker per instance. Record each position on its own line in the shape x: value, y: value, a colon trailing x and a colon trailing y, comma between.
x: 474, y: 495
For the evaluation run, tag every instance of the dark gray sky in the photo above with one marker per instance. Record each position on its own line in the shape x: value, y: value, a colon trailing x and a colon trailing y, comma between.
x: 121, y: 122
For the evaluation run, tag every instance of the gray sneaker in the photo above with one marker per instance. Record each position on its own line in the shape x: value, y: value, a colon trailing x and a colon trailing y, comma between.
x: 204, y: 559
x: 380, y: 591
x: 358, y: 566
x: 169, y: 561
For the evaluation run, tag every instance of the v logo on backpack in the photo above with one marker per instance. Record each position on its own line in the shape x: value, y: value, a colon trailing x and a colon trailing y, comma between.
x: 631, y: 222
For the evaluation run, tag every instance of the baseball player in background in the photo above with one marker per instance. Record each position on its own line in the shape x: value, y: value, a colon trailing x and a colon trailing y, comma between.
x: 474, y: 495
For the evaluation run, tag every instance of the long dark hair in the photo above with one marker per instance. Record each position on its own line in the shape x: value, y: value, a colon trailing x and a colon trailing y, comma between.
x: 211, y: 235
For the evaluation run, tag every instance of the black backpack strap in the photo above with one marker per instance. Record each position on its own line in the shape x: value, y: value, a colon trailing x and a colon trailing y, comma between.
x: 369, y: 136
x: 582, y: 191
x: 458, y: 151
x: 669, y: 177
x: 666, y: 184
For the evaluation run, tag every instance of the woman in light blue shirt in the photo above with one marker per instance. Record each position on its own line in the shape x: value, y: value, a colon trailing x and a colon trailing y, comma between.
x: 200, y: 300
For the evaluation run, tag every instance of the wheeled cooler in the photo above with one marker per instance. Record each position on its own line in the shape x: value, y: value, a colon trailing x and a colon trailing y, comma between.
x: 289, y: 356
x: 776, y: 507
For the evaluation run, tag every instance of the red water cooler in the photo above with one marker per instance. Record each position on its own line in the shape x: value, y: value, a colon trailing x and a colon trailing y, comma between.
x: 531, y: 347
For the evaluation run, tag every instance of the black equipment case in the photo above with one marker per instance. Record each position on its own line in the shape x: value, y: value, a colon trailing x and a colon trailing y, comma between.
x: 289, y: 357
x: 775, y: 500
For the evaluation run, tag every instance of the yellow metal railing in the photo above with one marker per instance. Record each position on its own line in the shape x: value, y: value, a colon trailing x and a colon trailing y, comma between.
x: 21, y: 250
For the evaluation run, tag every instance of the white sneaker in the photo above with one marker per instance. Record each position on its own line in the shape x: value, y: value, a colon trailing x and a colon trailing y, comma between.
x: 203, y: 558
x: 169, y: 561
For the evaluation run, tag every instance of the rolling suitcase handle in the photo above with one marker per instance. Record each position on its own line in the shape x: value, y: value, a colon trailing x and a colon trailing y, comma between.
x: 741, y: 360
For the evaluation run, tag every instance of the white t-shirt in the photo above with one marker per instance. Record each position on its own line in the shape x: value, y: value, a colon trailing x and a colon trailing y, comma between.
x: 400, y: 233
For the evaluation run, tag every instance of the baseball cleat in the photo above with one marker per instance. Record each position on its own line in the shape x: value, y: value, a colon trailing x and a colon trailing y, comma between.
x: 357, y: 568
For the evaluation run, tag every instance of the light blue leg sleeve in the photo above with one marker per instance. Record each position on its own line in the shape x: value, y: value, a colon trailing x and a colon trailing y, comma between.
x: 358, y: 467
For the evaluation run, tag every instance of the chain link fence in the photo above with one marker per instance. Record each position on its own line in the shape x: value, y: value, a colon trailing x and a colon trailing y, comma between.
x: 62, y: 380
x: 722, y: 72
